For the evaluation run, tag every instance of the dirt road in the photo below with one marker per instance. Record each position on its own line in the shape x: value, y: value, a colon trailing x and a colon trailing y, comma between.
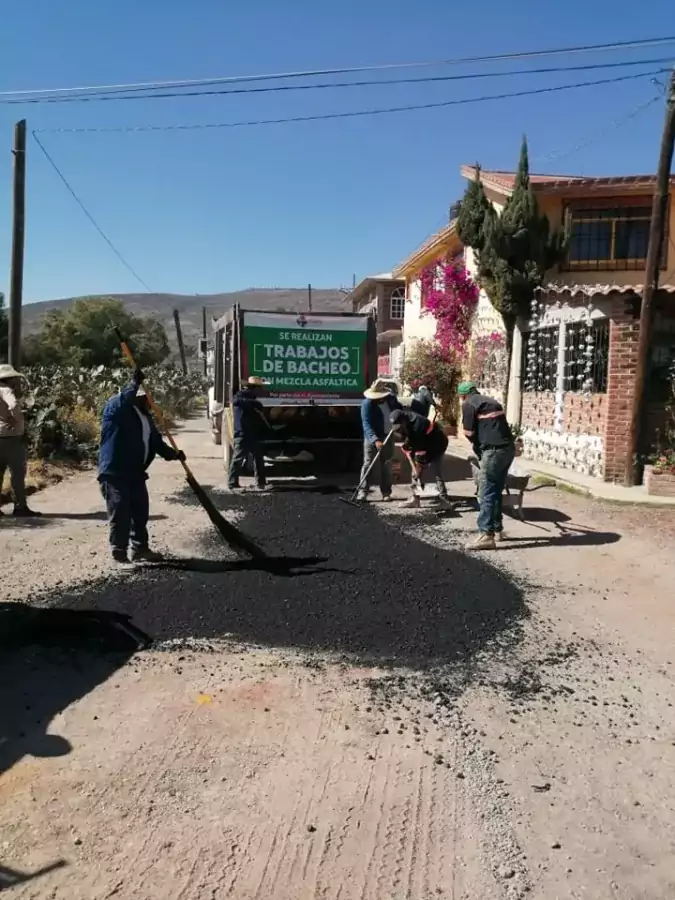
x: 391, y: 718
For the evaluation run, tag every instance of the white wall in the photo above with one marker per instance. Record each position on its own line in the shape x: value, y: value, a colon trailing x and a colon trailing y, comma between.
x: 416, y: 326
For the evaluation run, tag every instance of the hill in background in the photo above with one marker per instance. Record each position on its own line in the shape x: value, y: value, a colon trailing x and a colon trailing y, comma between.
x: 161, y: 306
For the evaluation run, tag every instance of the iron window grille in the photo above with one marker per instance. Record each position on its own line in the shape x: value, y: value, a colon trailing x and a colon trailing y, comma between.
x: 587, y: 372
x: 541, y: 374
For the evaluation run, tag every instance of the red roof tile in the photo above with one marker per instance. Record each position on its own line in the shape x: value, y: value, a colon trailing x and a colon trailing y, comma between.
x: 506, y: 180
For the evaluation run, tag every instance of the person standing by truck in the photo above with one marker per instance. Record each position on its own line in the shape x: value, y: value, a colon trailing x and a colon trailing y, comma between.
x: 376, y: 410
x: 13, y: 444
x: 249, y: 418
x: 485, y: 425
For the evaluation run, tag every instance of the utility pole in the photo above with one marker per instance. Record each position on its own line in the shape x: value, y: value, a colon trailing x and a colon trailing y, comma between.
x: 206, y: 368
x: 657, y: 228
x: 18, y: 230
x: 181, y: 345
x: 309, y: 297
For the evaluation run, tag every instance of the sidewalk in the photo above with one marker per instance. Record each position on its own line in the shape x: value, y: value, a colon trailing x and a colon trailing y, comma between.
x: 585, y: 484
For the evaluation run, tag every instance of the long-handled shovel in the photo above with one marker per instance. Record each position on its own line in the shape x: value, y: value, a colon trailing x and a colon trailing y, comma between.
x: 231, y: 535
x: 352, y: 500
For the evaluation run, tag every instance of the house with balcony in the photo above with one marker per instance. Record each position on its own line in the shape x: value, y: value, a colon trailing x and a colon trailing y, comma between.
x: 383, y: 297
x: 574, y: 359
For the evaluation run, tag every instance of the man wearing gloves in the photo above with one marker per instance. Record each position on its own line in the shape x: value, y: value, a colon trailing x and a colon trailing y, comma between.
x: 129, y: 443
x: 485, y: 425
x: 376, y: 410
x: 425, y: 444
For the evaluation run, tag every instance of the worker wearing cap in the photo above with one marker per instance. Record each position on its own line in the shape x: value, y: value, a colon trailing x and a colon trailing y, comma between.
x: 484, y: 423
x: 13, y: 446
x: 249, y: 418
x: 425, y: 444
x: 129, y: 443
x: 376, y: 409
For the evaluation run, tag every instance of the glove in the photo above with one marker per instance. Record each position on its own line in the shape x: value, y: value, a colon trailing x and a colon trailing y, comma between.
x: 180, y: 456
x: 139, y: 376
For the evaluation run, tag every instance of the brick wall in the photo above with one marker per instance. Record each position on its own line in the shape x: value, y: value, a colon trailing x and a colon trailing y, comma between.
x: 623, y: 341
x: 581, y: 414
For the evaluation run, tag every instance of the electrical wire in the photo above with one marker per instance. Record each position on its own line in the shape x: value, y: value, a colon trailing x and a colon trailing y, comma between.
x: 90, y: 217
x: 97, y: 98
x: 598, y: 135
x: 236, y: 79
x: 346, y: 115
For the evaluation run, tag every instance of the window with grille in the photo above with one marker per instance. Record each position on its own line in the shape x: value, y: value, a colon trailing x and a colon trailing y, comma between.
x: 542, y: 374
x: 397, y: 303
x: 577, y: 335
x: 604, y: 235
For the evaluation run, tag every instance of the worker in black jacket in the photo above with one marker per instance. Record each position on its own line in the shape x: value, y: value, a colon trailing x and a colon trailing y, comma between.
x: 248, y: 420
x: 485, y: 425
x: 425, y: 443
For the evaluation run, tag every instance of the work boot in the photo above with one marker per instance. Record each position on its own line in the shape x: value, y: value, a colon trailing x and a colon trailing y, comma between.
x: 145, y: 554
x: 413, y: 503
x: 361, y: 498
x: 25, y: 512
x: 500, y: 537
x: 120, y: 556
x: 263, y: 488
x: 386, y: 498
x: 445, y: 501
x: 483, y: 542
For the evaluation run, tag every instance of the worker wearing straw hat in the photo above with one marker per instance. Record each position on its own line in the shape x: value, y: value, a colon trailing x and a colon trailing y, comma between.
x: 13, y: 447
x: 378, y: 404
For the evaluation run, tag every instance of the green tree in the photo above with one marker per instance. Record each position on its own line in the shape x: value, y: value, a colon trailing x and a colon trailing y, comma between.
x: 514, y: 251
x: 428, y: 363
x: 84, y: 335
x: 4, y: 330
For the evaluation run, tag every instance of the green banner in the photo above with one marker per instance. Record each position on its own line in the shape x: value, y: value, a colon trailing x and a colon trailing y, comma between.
x: 295, y: 359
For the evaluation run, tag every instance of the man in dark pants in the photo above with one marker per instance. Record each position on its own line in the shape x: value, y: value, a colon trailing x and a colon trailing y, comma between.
x: 129, y: 443
x: 249, y: 418
x: 376, y: 409
x: 426, y: 443
x: 485, y: 425
x: 13, y: 442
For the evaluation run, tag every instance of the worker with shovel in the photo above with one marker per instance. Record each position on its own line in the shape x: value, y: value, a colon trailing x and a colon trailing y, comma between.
x: 376, y: 410
x: 424, y: 444
x: 129, y: 443
x: 249, y: 417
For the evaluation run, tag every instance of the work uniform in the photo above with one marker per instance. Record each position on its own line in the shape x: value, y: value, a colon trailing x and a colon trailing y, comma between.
x: 375, y: 420
x: 129, y: 443
x: 13, y: 449
x: 426, y: 443
x: 246, y: 413
x: 484, y: 423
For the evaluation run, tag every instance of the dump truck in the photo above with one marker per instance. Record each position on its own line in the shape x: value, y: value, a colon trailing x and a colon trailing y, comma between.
x: 315, y: 367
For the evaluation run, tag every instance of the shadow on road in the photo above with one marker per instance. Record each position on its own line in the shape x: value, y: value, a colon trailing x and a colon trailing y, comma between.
x: 12, y: 877
x: 49, y: 658
x: 381, y: 597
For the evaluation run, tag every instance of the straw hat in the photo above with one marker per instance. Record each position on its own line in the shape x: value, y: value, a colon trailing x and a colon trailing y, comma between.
x: 378, y: 390
x: 255, y: 381
x: 7, y: 372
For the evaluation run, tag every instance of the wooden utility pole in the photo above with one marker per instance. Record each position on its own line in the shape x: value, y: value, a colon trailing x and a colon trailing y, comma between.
x: 181, y: 345
x: 309, y: 297
x: 18, y: 230
x: 657, y: 229
x: 206, y: 368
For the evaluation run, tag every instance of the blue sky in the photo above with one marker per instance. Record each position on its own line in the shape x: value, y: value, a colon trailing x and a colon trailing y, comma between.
x: 215, y: 210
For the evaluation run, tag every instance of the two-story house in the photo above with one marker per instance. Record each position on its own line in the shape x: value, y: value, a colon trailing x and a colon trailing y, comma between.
x: 574, y: 359
x: 383, y: 297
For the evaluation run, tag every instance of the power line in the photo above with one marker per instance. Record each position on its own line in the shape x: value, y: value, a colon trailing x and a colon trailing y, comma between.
x: 599, y: 135
x: 346, y: 115
x: 117, y: 96
x: 235, y: 79
x: 90, y: 217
